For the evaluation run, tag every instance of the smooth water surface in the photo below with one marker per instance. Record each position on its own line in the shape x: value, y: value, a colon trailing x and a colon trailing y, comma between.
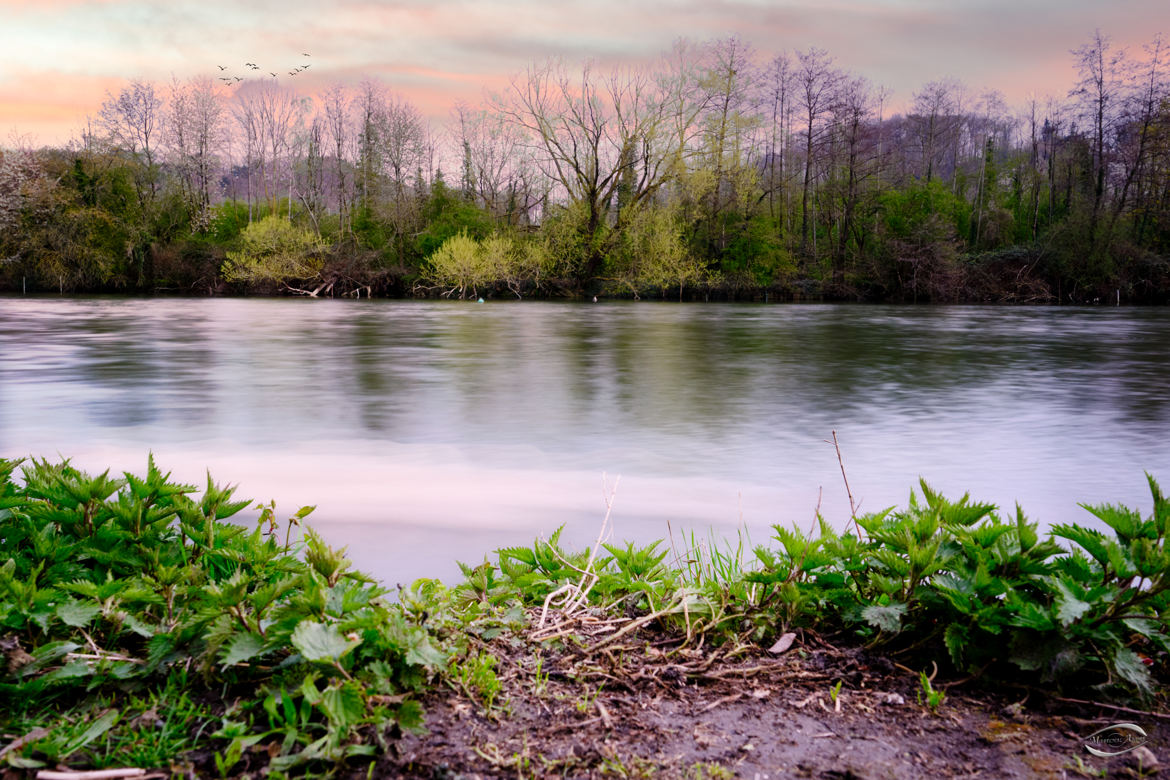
x: 427, y: 432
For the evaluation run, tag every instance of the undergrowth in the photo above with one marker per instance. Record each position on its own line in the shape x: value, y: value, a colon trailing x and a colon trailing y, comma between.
x: 139, y: 627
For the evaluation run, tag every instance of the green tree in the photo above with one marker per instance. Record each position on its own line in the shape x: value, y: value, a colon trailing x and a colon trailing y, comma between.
x: 274, y: 249
x: 461, y: 265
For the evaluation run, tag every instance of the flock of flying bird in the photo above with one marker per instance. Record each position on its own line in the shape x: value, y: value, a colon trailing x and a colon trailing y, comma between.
x: 254, y: 66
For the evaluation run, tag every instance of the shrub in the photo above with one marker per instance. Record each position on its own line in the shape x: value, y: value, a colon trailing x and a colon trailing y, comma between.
x: 274, y: 249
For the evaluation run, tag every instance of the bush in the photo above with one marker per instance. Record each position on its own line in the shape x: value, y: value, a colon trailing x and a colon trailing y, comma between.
x: 121, y: 585
x: 274, y: 249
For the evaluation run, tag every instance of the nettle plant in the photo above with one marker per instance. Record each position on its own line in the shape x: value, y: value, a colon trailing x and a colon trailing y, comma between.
x: 118, y: 584
x: 956, y: 575
x: 940, y: 578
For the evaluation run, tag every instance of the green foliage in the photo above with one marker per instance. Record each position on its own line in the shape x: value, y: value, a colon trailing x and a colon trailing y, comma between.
x: 757, y: 255
x: 274, y: 249
x: 654, y: 254
x: 132, y: 606
x: 927, y: 694
x: 477, y: 675
x: 946, y: 579
x: 447, y: 215
x: 228, y: 220
x: 911, y: 212
x: 112, y: 582
x: 469, y: 266
x: 461, y: 265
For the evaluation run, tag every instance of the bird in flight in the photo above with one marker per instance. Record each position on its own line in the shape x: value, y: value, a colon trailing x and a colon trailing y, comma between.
x: 221, y: 67
x: 303, y: 54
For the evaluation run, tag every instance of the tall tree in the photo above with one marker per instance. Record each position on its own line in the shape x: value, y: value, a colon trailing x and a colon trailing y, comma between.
x: 729, y: 82
x: 1098, y: 94
x: 337, y: 102
x: 195, y: 132
x: 937, y: 119
x: 591, y: 133
x: 816, y: 83
x: 132, y: 121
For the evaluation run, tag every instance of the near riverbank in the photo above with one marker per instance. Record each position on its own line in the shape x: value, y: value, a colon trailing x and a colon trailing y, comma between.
x: 140, y: 629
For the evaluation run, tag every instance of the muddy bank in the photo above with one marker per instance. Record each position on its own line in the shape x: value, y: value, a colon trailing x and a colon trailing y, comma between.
x: 643, y: 709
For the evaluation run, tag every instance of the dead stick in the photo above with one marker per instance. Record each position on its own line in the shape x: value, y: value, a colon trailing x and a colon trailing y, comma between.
x: 634, y: 625
x: 96, y: 774
x: 721, y: 701
x: 848, y: 492
x: 20, y: 742
x: 1117, y: 707
x: 604, y: 713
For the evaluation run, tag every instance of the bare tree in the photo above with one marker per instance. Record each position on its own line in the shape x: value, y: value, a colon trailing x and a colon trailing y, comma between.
x: 816, y: 83
x: 246, y: 111
x: 728, y: 81
x: 857, y: 142
x: 369, y: 107
x: 195, y: 132
x: 778, y: 90
x: 496, y: 169
x: 337, y: 103
x: 1142, y: 105
x: 594, y: 134
x: 936, y: 116
x: 132, y: 121
x: 1098, y: 95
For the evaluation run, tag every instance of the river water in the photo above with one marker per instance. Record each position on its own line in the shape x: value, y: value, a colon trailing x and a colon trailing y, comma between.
x: 428, y: 432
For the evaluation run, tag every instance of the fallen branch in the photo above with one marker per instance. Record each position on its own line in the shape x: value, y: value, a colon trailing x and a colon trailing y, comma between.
x: 721, y: 701
x: 20, y: 742
x: 1115, y: 707
x: 574, y: 594
x: 634, y: 625
x: 96, y: 774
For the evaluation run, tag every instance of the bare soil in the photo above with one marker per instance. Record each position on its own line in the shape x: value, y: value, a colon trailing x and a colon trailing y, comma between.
x: 580, y: 706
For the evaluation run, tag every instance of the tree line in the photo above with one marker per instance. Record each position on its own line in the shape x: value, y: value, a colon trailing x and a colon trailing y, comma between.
x: 715, y: 172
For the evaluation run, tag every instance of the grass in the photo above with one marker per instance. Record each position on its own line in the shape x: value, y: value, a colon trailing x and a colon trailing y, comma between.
x: 139, y: 626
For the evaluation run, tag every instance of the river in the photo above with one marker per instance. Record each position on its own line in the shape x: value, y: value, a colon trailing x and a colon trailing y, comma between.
x: 426, y: 432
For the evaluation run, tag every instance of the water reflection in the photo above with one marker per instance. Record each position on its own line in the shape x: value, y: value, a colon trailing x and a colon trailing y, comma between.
x: 499, y: 419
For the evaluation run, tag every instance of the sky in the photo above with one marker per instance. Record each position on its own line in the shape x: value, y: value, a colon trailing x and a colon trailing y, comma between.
x: 60, y: 58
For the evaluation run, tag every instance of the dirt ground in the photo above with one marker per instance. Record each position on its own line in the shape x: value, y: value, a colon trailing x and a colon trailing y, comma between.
x: 643, y: 709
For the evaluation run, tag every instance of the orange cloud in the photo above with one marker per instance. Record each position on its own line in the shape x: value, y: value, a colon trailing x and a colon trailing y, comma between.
x: 51, y: 106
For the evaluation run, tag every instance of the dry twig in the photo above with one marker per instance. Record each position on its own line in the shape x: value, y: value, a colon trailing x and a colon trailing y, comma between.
x: 852, y: 506
x: 96, y: 774
x: 20, y: 742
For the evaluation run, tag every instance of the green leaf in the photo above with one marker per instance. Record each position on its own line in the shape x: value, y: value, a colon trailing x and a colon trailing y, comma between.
x: 1129, y: 667
x: 887, y: 618
x: 242, y: 647
x: 1092, y: 540
x: 1033, y: 615
x: 76, y: 613
x: 95, y: 730
x: 1069, y: 608
x: 1126, y: 523
x: 410, y: 716
x: 343, y: 705
x: 956, y: 637
x: 144, y: 630
x: 75, y: 668
x: 421, y: 652
x: 318, y: 642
